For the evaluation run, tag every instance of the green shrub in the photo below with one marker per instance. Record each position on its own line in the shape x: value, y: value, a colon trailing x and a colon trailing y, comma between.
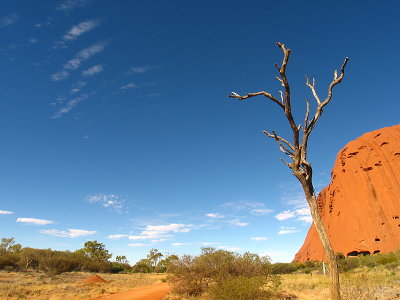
x: 239, y: 288
x: 221, y: 273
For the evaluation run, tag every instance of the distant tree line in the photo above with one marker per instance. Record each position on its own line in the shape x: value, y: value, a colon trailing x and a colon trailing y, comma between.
x: 93, y: 257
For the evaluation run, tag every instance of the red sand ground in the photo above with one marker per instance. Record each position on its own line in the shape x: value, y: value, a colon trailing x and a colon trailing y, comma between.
x: 93, y: 280
x: 148, y: 292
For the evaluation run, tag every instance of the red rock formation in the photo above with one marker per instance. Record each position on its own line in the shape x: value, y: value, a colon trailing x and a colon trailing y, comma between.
x: 361, y: 206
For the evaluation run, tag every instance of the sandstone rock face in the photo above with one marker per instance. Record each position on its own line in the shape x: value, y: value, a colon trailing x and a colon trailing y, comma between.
x: 361, y: 206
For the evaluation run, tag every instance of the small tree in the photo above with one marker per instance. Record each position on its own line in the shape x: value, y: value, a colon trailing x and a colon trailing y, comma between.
x: 121, y: 259
x: 296, y: 150
x: 154, y: 256
x: 96, y: 251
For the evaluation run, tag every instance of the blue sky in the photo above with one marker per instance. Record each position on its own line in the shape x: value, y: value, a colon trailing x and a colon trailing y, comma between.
x: 116, y: 126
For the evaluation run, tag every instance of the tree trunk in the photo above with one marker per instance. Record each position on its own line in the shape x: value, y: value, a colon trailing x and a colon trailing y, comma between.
x: 323, y: 235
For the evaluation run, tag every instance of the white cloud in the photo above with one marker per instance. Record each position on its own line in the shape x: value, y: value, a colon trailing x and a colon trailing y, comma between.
x: 301, y: 214
x: 239, y: 223
x: 230, y: 248
x: 209, y: 243
x: 93, y: 70
x: 69, y: 106
x: 33, y: 41
x: 71, y: 233
x: 286, y: 214
x: 110, y: 201
x: 215, y: 216
x: 288, y: 230
x: 128, y: 86
x: 77, y: 87
x: 260, y: 211
x: 117, y: 236
x: 259, y: 238
x: 69, y: 5
x: 137, y: 245
x: 307, y: 219
x: 179, y: 244
x: 81, y: 28
x: 140, y: 70
x: 34, y: 221
x: 5, y: 212
x: 77, y: 60
x: 60, y: 75
x: 155, y: 232
x: 8, y: 20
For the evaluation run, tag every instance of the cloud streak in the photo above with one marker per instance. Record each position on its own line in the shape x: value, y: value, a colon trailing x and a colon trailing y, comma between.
x: 34, y: 221
x: 111, y: 201
x: 69, y: 106
x: 93, y: 70
x: 288, y: 230
x: 6, y: 212
x: 77, y: 60
x: 79, y: 29
x: 71, y: 233
x: 69, y: 5
x: 8, y: 20
x: 157, y: 232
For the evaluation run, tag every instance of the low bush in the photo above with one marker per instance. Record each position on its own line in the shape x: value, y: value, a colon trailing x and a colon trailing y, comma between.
x: 223, y: 275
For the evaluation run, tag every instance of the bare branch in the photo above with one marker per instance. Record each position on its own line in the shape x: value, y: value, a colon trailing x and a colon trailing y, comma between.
x: 335, y: 81
x: 312, y: 88
x: 289, y: 165
x: 279, y: 80
x: 306, y: 116
x: 280, y: 92
x: 277, y: 137
x: 249, y: 95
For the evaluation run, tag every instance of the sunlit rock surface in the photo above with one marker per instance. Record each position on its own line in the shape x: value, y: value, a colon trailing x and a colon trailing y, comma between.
x: 361, y: 205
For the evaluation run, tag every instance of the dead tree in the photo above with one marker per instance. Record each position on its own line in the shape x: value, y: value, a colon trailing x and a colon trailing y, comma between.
x: 296, y: 149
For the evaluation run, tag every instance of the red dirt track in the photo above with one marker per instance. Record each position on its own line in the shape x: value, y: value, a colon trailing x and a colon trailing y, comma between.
x: 148, y: 292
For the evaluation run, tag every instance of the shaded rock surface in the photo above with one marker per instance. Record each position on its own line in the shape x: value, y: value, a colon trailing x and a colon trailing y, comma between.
x: 361, y: 206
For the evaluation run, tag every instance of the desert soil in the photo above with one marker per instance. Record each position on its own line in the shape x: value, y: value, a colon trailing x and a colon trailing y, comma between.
x: 149, y: 292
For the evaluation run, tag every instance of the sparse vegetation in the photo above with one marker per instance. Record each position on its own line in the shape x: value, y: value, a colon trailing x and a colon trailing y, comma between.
x: 222, y: 274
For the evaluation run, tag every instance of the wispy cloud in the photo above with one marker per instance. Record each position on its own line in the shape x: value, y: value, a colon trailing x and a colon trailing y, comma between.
x: 117, y: 236
x: 79, y: 29
x: 71, y: 233
x: 70, y: 105
x: 77, y: 87
x: 288, y: 230
x: 286, y: 214
x: 260, y: 211
x: 77, y: 60
x: 255, y: 208
x: 68, y: 5
x: 111, y: 201
x: 152, y: 232
x: 33, y: 40
x: 8, y: 20
x: 259, y: 238
x: 215, y: 216
x: 179, y: 244
x: 301, y: 214
x: 209, y: 243
x: 140, y: 70
x: 239, y: 223
x: 6, y: 212
x: 137, y: 245
x: 128, y: 86
x: 34, y: 221
x: 93, y: 70
x: 230, y: 248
